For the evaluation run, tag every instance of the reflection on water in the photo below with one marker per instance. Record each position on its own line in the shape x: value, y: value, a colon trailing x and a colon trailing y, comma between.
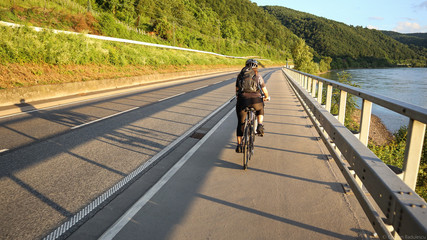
x: 405, y: 84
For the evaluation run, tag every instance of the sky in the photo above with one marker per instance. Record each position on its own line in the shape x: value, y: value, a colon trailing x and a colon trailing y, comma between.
x: 404, y: 16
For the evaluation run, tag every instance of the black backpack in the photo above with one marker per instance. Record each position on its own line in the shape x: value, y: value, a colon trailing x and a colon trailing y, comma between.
x: 247, y: 81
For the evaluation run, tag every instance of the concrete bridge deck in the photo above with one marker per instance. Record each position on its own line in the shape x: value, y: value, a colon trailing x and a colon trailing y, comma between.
x: 291, y: 190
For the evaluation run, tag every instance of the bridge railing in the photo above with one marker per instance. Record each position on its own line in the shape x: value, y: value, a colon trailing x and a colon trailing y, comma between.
x: 396, y: 210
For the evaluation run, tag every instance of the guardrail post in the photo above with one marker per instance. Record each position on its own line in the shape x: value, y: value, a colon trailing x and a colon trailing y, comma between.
x: 365, y: 121
x: 414, y: 145
x: 343, y: 102
x: 319, y: 92
x: 328, y: 98
x: 313, y: 88
x: 305, y: 82
x: 309, y: 85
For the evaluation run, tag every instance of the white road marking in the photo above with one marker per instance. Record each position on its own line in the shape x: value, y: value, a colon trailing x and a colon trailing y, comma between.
x: 200, y: 87
x: 125, y: 218
x: 59, y: 231
x: 4, y: 150
x: 100, y: 119
x: 171, y: 97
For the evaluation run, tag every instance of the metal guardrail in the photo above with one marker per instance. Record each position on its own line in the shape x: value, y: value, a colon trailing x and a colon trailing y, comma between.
x: 396, y: 211
x: 38, y: 29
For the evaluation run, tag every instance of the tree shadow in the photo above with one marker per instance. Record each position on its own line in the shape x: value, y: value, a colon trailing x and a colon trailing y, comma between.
x: 58, y: 120
x: 170, y: 207
x: 275, y: 217
x: 123, y: 132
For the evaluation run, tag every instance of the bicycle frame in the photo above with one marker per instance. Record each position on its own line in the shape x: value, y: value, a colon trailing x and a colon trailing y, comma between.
x: 248, y: 136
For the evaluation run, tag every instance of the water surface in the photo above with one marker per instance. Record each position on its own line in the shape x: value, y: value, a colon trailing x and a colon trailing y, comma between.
x: 405, y: 84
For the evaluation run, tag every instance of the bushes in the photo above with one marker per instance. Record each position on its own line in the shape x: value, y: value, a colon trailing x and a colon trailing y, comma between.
x: 179, y: 23
x: 351, y: 105
x: 24, y: 45
x: 393, y: 154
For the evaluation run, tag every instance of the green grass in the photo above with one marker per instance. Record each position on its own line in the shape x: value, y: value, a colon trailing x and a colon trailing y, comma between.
x: 70, y: 15
x: 24, y: 45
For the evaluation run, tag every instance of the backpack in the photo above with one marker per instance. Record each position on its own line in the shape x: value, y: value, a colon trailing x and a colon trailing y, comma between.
x: 248, y: 82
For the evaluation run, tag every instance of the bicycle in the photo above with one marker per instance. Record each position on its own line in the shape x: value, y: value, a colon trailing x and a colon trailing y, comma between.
x: 248, y: 137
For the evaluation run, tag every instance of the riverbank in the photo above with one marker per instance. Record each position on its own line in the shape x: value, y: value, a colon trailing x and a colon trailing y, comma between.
x: 378, y: 132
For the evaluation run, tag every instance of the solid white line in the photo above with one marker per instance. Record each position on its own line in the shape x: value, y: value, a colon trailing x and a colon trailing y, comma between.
x: 119, y: 224
x: 60, y: 105
x: 100, y: 119
x: 15, y: 114
x: 171, y: 97
x: 59, y: 231
x: 4, y: 150
x: 200, y: 87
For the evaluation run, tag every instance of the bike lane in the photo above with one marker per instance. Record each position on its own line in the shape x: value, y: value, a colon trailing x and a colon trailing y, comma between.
x: 291, y: 189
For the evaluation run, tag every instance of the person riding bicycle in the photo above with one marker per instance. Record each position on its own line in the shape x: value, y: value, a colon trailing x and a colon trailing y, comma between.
x: 251, y: 92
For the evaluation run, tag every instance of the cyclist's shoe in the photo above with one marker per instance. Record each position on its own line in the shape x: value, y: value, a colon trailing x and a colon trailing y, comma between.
x: 239, y: 148
x: 260, y: 130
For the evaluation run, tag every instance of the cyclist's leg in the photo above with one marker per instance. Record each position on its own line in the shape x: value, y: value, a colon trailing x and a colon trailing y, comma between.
x: 259, y: 107
x: 241, y: 116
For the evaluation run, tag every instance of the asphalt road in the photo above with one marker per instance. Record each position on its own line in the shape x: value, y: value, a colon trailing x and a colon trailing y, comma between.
x: 65, y: 163
x: 291, y: 190
x: 55, y: 161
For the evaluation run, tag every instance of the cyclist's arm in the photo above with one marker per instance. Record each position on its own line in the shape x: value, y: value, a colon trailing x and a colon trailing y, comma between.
x: 266, y: 95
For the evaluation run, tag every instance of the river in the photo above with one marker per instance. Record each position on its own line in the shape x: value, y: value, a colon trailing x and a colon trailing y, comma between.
x: 405, y: 84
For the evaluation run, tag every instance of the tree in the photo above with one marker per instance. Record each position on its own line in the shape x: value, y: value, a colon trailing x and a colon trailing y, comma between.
x: 229, y: 29
x: 303, y: 58
x: 164, y: 29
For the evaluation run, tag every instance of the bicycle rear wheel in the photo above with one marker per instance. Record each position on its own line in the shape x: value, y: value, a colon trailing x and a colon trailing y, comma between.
x: 252, y: 138
x: 246, y: 146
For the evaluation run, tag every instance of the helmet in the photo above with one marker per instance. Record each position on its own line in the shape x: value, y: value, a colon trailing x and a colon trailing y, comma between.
x: 252, y: 63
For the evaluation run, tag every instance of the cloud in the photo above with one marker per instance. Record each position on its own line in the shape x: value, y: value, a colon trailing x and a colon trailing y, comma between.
x: 422, y: 5
x: 376, y: 18
x: 409, y: 27
x: 410, y: 19
x: 373, y: 27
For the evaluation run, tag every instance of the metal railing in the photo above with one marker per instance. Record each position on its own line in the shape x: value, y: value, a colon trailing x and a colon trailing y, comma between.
x: 122, y: 40
x: 398, y: 212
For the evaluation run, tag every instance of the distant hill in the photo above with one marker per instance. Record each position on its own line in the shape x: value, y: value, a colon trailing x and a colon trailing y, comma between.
x: 416, y: 39
x: 349, y: 46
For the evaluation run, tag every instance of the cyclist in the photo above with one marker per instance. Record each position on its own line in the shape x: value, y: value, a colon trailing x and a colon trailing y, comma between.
x: 251, y: 92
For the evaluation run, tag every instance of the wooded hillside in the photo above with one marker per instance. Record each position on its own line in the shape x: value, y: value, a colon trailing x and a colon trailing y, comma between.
x: 415, y: 39
x: 232, y: 27
x: 205, y: 24
x: 349, y: 46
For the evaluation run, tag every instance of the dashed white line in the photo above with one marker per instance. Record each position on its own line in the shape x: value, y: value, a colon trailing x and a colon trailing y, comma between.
x: 100, y: 119
x: 171, y: 97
